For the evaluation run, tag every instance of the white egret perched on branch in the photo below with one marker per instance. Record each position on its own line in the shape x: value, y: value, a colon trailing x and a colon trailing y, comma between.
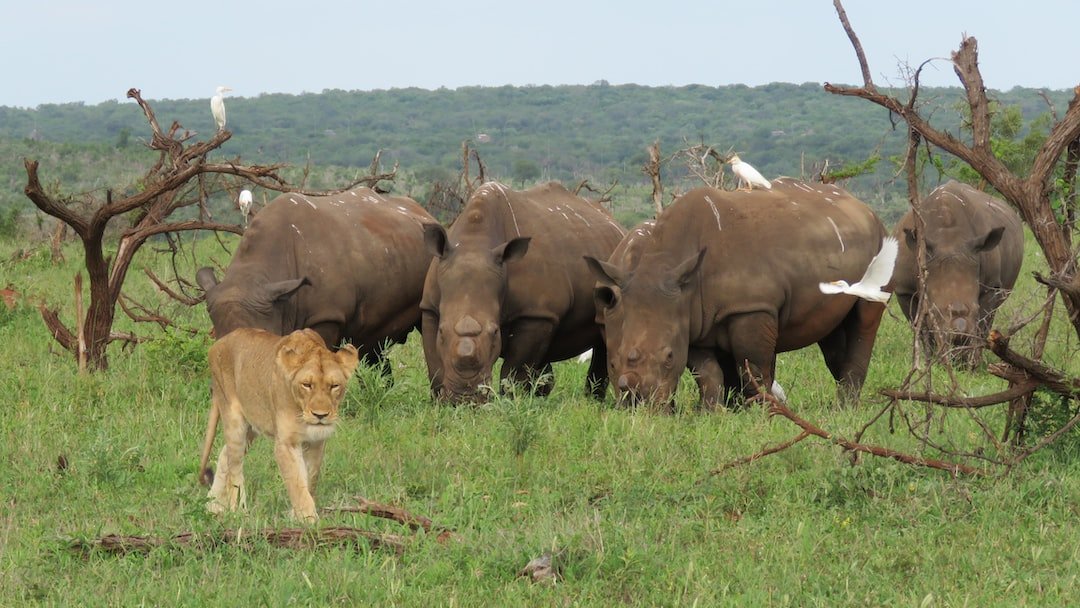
x: 747, y: 174
x: 217, y: 107
x: 876, y: 276
x: 245, y: 204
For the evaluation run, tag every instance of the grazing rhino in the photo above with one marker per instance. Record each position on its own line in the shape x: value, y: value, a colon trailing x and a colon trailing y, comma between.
x: 732, y: 277
x: 974, y: 248
x: 484, y: 298
x: 350, y: 266
x: 701, y: 363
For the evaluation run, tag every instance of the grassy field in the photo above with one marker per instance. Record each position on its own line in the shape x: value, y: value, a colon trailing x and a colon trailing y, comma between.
x: 624, y: 497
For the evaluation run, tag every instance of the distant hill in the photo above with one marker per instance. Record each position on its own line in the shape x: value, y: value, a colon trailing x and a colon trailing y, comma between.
x: 565, y: 133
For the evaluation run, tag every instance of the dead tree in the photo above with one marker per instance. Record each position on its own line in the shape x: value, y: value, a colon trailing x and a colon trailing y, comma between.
x: 652, y: 169
x: 1029, y: 195
x: 180, y: 177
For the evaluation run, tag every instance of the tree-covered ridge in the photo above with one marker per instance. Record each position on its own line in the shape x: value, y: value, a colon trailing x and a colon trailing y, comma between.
x: 552, y: 132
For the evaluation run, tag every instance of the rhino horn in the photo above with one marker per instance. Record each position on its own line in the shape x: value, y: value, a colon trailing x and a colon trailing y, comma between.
x: 467, y: 326
x: 281, y: 289
x: 206, y: 278
x: 466, y: 359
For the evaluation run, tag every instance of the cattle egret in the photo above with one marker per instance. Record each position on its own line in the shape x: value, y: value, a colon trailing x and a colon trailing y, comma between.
x: 747, y: 174
x: 876, y: 276
x: 217, y: 107
x: 778, y: 392
x: 245, y: 204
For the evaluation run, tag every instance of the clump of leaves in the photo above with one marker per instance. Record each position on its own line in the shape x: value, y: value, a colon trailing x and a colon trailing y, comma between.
x: 179, y: 350
x: 1049, y: 412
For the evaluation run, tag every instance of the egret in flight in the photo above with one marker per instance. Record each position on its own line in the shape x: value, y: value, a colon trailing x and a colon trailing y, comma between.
x: 747, y: 174
x: 876, y: 276
x: 245, y: 204
x: 217, y: 107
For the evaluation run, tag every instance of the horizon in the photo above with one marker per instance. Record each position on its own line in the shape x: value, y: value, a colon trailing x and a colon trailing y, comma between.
x: 94, y: 54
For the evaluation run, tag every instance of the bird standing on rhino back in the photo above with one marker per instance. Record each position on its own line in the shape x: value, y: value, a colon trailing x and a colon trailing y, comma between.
x: 748, y: 175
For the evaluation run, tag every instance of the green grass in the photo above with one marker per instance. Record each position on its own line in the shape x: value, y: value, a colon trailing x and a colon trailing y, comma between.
x: 623, y: 495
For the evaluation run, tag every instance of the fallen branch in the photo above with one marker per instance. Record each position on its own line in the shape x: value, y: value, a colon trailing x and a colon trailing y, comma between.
x: 954, y: 468
x: 778, y: 408
x: 1039, y: 371
x: 287, y: 538
x: 398, y: 514
x: 962, y: 402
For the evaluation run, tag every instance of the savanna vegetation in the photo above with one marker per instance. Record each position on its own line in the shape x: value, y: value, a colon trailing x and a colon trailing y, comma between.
x: 635, y: 506
x: 624, y: 498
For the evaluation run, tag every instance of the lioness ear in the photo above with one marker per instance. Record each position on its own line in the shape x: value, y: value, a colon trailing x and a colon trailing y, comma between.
x: 348, y: 358
x: 291, y: 350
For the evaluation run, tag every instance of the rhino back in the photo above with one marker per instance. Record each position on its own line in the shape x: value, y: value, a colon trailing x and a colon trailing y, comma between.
x: 767, y: 250
x: 351, y: 246
x: 563, y: 228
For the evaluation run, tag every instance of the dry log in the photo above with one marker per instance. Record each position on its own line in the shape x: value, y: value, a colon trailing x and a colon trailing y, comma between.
x: 287, y: 538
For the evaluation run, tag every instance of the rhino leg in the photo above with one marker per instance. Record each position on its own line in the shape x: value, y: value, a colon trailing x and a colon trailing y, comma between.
x: 524, y: 353
x: 429, y: 331
x: 708, y: 375
x: 753, y: 344
x: 375, y: 357
x: 596, y: 380
x: 847, y: 349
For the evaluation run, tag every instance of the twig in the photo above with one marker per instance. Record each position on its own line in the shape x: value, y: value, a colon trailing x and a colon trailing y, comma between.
x: 763, y: 453
x: 398, y: 514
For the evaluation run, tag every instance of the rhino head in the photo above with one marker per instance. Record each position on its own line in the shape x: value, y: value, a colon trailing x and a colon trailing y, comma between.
x: 646, y: 323
x: 471, y: 279
x: 234, y: 304
x: 953, y: 282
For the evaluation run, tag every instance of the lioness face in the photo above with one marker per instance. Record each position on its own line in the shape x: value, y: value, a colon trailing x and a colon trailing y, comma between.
x: 317, y: 377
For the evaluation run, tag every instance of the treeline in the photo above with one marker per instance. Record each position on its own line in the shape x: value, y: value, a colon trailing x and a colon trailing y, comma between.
x: 523, y: 134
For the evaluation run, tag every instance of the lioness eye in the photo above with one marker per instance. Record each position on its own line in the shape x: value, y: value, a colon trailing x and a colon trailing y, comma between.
x: 306, y: 385
x: 334, y: 387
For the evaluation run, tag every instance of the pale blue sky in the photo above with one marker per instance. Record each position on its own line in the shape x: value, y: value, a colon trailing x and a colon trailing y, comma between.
x: 57, y: 51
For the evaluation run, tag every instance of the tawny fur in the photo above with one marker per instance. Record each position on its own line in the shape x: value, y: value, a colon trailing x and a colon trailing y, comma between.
x: 287, y: 388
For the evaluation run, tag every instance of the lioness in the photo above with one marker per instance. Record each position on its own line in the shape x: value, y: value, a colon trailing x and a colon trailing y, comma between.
x: 287, y: 388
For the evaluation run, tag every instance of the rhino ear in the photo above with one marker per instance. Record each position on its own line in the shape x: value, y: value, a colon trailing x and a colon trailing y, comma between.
x: 282, y: 289
x: 206, y: 279
x: 991, y: 240
x: 685, y: 270
x: 911, y: 238
x: 511, y: 250
x: 435, y: 240
x: 605, y: 273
